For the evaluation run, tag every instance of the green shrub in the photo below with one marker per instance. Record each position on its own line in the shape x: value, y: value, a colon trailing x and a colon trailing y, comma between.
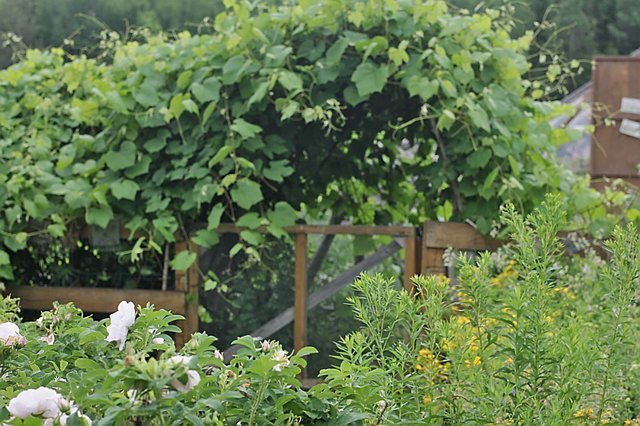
x: 548, y: 340
x: 150, y: 382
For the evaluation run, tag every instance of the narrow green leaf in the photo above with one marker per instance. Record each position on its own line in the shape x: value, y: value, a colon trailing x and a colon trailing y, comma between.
x: 213, y: 220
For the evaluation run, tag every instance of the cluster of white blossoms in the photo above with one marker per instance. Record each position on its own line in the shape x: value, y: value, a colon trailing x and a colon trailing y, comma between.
x: 10, y: 335
x: 279, y: 355
x: 46, y: 403
x: 121, y: 320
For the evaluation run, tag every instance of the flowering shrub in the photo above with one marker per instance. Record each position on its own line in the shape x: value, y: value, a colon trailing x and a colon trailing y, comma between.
x: 69, y: 369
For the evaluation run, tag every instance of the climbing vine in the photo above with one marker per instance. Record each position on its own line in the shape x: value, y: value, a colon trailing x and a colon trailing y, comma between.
x: 381, y: 110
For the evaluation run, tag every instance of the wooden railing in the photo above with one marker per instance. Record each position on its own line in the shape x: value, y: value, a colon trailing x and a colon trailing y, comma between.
x: 182, y: 300
x: 423, y: 254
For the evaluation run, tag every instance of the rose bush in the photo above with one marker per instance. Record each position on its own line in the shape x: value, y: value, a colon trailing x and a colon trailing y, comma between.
x: 65, y: 369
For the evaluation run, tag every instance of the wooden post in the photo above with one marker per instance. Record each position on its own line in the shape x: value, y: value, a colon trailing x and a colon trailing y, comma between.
x: 192, y: 296
x: 432, y: 262
x: 300, y: 294
x: 410, y: 262
x: 181, y: 286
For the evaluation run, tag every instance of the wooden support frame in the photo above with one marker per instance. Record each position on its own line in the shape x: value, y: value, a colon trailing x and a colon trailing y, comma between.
x: 183, y: 300
x: 409, y: 234
x: 406, y: 234
x: 438, y: 236
x: 188, y: 283
x: 300, y: 294
x: 322, y: 294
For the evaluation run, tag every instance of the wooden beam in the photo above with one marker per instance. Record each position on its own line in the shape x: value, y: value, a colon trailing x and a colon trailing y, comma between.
x: 456, y: 235
x: 300, y: 294
x: 96, y: 300
x: 411, y: 267
x: 192, y: 322
x: 397, y: 231
x: 322, y: 294
x: 432, y: 262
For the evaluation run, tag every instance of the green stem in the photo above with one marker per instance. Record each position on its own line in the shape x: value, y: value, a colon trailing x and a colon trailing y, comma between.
x: 605, y: 383
x: 256, y: 403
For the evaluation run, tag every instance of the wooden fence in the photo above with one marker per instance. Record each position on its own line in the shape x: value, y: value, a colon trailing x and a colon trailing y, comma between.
x: 405, y: 236
x: 182, y: 300
x: 423, y: 254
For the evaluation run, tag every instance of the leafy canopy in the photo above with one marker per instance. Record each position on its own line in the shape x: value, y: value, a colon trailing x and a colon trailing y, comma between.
x: 384, y: 111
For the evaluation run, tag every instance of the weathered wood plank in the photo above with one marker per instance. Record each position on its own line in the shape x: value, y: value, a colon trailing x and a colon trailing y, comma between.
x: 456, y: 235
x: 432, y: 262
x: 397, y: 231
x: 98, y: 300
x: 411, y: 267
x: 192, y: 321
x: 300, y: 294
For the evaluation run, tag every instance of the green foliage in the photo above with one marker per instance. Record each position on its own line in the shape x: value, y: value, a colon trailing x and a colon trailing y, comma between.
x: 574, y: 29
x: 78, y: 23
x: 547, y: 340
x: 151, y: 382
x: 527, y: 336
x: 383, y: 111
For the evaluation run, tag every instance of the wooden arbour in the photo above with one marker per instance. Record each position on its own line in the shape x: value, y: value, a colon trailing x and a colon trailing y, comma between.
x: 423, y: 255
x: 407, y: 236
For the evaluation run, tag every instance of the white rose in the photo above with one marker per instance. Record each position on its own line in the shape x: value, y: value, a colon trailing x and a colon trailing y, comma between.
x: 42, y: 401
x: 193, y: 378
x: 177, y: 360
x: 121, y: 320
x: 62, y: 420
x: 10, y: 334
x: 282, y: 359
x: 49, y: 339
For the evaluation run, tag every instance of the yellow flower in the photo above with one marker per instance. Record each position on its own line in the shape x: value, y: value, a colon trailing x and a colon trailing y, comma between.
x: 443, y: 279
x: 427, y: 400
x: 476, y: 362
x: 419, y: 367
x: 462, y: 320
x: 584, y: 413
x: 426, y: 353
